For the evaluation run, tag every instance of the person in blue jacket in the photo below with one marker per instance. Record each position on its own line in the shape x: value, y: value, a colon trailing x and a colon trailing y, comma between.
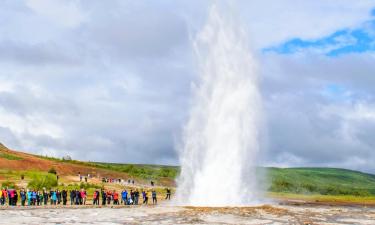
x: 23, y: 196
x: 124, y: 197
x: 54, y: 197
x: 29, y: 197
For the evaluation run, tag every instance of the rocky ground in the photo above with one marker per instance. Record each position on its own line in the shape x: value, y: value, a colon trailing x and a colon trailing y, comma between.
x: 265, y: 214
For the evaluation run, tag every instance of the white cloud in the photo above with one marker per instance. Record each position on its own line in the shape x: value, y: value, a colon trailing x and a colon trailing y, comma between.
x: 272, y: 22
x: 64, y: 13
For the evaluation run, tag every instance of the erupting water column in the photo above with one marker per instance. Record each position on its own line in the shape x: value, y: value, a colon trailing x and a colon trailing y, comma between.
x: 220, y: 139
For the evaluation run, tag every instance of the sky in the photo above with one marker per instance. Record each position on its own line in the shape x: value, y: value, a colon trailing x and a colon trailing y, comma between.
x: 111, y: 80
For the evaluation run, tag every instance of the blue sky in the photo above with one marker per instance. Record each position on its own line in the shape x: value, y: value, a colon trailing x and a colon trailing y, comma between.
x: 83, y: 77
x: 343, y: 41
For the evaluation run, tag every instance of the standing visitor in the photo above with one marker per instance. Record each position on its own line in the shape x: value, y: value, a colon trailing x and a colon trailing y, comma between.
x: 1, y: 197
x: 41, y: 197
x: 78, y: 197
x: 50, y: 196
x: 23, y: 196
x: 72, y: 196
x: 145, y: 197
x: 15, y: 199
x: 154, y: 199
x: 109, y: 197
x: 33, y: 197
x: 115, y: 197
x: 10, y: 196
x: 38, y: 197
x: 29, y: 197
x: 168, y: 194
x: 104, y: 197
x: 54, y: 197
x: 136, y: 197
x: 131, y: 196
x: 58, y: 195
x: 83, y: 196
x: 64, y: 194
x: 124, y: 197
x: 4, y: 196
x: 45, y: 196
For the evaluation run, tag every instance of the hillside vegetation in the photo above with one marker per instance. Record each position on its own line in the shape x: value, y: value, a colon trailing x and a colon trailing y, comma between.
x: 324, y: 181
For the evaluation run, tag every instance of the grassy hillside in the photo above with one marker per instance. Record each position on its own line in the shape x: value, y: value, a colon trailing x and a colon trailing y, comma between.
x: 324, y: 181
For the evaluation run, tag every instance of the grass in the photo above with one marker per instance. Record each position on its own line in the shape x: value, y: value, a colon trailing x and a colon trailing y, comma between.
x: 143, y: 171
x: 140, y: 170
x: 323, y: 181
x: 9, y: 156
x: 323, y: 198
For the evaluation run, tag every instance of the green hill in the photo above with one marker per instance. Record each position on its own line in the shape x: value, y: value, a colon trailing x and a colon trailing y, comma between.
x: 325, y: 181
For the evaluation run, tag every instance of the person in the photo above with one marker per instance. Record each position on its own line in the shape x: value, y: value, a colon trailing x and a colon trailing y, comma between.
x: 54, y: 197
x: 83, y: 197
x: 104, y: 197
x: 58, y: 195
x: 115, y: 197
x: 72, y: 196
x: 41, y: 197
x: 78, y: 198
x: 38, y: 197
x: 154, y: 199
x: 23, y: 196
x: 45, y: 196
x: 131, y: 197
x: 10, y: 196
x: 64, y: 194
x: 145, y: 197
x: 29, y: 197
x: 33, y: 197
x: 15, y: 198
x: 124, y: 197
x: 4, y: 194
x: 50, y: 196
x: 1, y: 197
x: 168, y: 194
x: 95, y: 197
x: 136, y: 196
x: 109, y: 197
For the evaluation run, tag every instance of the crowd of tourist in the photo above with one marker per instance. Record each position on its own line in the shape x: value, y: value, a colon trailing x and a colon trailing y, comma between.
x: 27, y: 197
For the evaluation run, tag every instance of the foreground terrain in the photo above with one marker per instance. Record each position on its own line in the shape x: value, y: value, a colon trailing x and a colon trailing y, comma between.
x: 265, y: 214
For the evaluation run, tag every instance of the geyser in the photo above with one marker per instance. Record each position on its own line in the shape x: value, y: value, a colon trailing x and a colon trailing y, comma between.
x: 220, y: 139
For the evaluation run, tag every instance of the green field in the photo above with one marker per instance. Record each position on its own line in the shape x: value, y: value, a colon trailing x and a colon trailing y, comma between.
x: 323, y: 181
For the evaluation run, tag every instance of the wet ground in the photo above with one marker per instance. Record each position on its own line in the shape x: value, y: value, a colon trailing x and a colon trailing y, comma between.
x: 265, y: 214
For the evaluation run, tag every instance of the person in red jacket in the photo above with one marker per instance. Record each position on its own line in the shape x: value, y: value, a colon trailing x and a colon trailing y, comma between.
x: 4, y: 196
x: 115, y: 197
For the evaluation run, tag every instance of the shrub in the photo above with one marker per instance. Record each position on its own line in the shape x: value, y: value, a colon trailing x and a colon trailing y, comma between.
x: 8, y: 184
x: 42, y: 181
x: 52, y: 170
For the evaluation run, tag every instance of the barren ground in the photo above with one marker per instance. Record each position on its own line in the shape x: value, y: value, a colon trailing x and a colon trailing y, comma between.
x: 265, y: 214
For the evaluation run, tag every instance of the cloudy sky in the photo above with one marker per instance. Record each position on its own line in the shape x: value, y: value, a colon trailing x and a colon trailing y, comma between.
x: 111, y: 80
